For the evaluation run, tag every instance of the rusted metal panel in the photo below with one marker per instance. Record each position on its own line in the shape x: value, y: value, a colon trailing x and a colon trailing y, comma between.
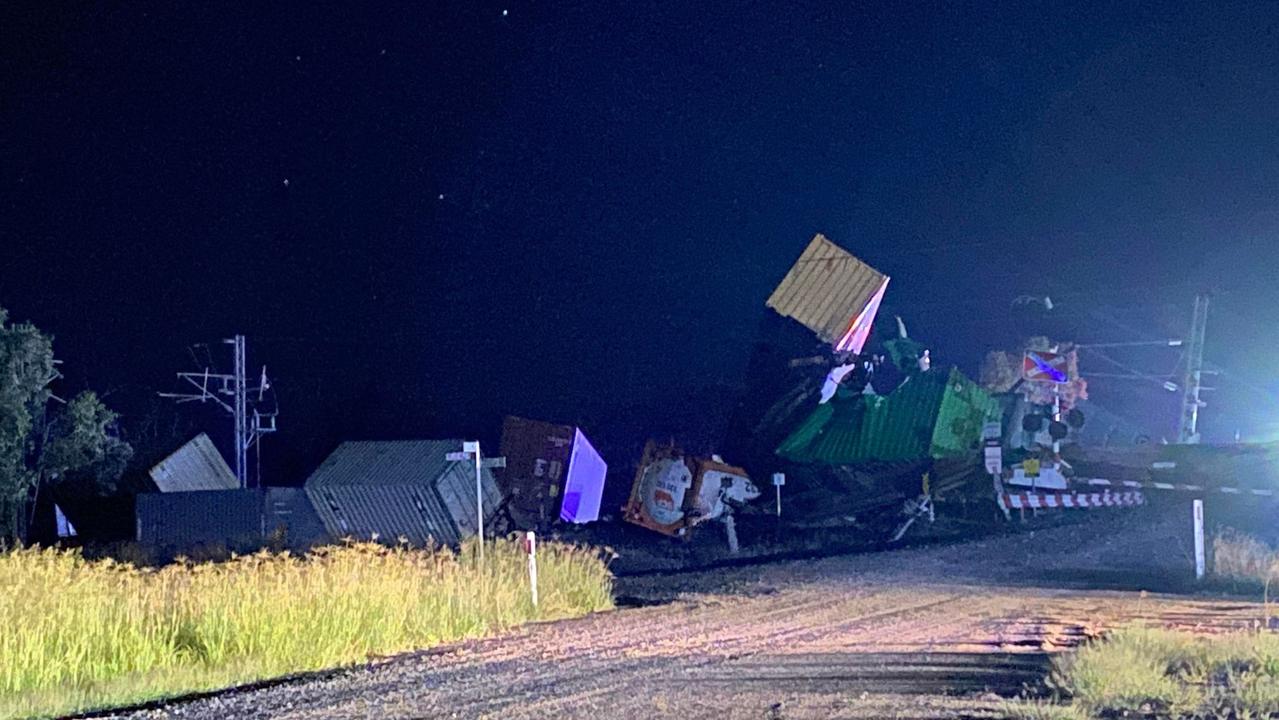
x: 832, y: 293
x: 537, y: 459
x: 197, y: 465
x: 552, y: 473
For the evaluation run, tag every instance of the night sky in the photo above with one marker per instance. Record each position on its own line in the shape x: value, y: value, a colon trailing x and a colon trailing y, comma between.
x: 426, y: 216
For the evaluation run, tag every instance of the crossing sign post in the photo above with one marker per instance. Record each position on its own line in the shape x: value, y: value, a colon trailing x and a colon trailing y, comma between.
x: 1038, y: 366
x: 471, y: 451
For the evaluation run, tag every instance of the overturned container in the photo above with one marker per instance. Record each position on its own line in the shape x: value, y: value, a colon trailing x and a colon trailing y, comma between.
x: 402, y: 490
x: 552, y: 473
x: 673, y: 493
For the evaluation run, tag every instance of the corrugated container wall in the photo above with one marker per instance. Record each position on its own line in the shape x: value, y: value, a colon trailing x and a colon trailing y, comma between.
x: 832, y: 293
x: 241, y: 519
x: 184, y: 519
x: 197, y: 465
x: 932, y: 415
x: 400, y: 490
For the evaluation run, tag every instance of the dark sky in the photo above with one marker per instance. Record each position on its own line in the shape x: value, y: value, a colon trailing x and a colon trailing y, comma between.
x: 425, y: 216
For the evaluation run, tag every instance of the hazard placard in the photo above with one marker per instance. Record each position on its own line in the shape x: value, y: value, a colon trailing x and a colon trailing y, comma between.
x: 1040, y: 366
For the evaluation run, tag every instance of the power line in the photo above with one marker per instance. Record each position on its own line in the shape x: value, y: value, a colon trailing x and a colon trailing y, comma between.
x: 1133, y: 373
x: 243, y: 399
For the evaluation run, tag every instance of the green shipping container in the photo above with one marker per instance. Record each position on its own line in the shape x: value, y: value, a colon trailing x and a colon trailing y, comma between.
x: 935, y: 414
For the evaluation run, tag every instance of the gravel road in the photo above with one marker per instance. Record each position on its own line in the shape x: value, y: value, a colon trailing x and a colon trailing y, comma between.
x: 940, y: 632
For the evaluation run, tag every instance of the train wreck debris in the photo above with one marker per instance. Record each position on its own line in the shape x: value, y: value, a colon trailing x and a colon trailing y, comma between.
x: 552, y: 473
x: 832, y: 293
x: 673, y: 492
x: 933, y: 414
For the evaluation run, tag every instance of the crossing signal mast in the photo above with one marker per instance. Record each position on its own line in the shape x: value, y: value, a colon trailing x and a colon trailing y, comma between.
x: 233, y: 394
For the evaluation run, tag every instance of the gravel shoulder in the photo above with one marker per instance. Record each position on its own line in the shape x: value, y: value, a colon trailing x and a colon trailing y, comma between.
x: 936, y: 632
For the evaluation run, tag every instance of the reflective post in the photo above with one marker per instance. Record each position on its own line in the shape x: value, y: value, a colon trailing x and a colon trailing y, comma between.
x: 1199, y: 540
x: 779, y: 479
x: 530, y: 547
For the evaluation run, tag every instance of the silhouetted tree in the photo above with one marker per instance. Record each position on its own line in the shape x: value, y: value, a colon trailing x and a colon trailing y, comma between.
x: 40, y: 445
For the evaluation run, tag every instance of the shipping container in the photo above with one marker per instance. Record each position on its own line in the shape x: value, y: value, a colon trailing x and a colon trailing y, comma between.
x: 239, y: 519
x: 289, y: 520
x: 832, y: 293
x: 400, y: 490
x: 552, y: 473
x: 186, y: 519
x: 935, y: 414
x: 196, y: 465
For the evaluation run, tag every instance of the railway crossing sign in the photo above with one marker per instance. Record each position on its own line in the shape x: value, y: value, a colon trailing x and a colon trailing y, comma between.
x: 1038, y: 366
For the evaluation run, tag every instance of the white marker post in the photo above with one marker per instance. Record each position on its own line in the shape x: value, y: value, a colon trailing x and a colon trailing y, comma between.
x: 779, y: 479
x: 530, y: 547
x: 1199, y: 540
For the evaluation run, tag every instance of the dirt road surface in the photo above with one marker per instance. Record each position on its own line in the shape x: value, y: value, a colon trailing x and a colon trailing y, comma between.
x: 940, y: 632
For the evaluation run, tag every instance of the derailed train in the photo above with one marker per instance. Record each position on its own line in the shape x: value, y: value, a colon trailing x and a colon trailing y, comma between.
x: 936, y: 440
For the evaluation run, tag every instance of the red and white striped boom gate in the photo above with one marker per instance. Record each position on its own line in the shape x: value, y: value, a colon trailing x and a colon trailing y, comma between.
x: 1183, y: 487
x: 1127, y: 493
x: 1036, y: 500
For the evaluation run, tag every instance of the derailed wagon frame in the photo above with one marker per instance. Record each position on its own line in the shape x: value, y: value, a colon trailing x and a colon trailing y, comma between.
x: 674, y: 492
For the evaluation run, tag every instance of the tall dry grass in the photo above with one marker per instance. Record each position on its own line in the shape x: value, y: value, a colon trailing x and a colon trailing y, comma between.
x: 1240, y: 557
x: 76, y: 634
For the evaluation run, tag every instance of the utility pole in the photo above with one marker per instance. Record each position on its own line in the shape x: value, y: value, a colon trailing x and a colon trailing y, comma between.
x: 1188, y: 431
x: 234, y: 387
x: 241, y: 442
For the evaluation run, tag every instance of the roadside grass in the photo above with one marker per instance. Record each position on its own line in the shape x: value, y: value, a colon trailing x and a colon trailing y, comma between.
x: 1145, y: 672
x: 1244, y: 559
x: 78, y: 635
x: 1041, y: 710
x: 1150, y: 672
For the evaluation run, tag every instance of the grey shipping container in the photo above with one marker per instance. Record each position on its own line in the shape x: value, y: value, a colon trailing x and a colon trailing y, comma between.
x: 395, y: 490
x: 196, y: 465
x: 289, y: 519
x: 241, y: 519
x: 185, y: 519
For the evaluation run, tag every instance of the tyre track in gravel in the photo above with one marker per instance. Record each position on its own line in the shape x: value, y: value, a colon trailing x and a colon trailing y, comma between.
x: 527, y: 701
